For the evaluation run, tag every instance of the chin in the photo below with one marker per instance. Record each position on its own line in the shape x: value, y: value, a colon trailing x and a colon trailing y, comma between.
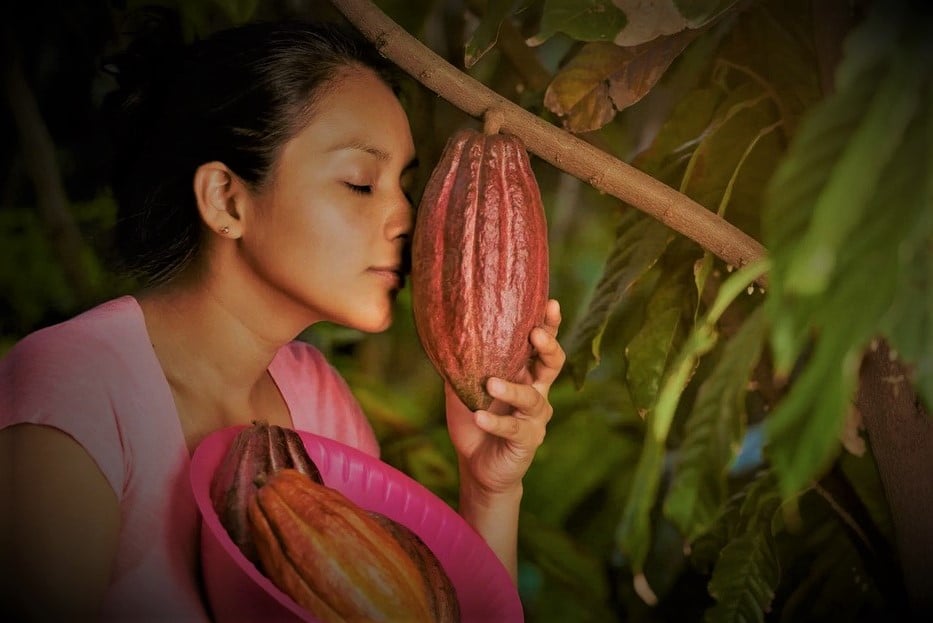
x: 374, y: 324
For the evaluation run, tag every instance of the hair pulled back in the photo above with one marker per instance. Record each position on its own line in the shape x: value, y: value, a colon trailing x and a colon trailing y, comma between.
x: 235, y: 97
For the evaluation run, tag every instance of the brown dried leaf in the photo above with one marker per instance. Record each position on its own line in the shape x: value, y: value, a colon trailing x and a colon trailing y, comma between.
x: 580, y: 91
x: 604, y: 78
x: 647, y: 64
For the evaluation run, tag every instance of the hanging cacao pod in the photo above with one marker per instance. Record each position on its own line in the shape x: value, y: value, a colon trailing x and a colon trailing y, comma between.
x: 330, y: 556
x: 479, y: 263
x: 256, y: 452
x: 442, y: 595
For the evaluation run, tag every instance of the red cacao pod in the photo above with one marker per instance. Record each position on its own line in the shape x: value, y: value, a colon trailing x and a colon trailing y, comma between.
x: 479, y: 263
x: 332, y: 557
x: 256, y: 452
x: 440, y: 589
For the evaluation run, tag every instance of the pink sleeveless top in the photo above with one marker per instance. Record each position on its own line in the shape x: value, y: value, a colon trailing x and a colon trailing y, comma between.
x: 97, y: 378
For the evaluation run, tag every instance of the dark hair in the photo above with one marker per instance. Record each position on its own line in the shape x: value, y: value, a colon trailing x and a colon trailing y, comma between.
x: 234, y: 97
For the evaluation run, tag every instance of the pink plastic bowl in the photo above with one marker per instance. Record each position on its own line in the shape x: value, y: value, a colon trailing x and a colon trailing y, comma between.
x: 237, y: 591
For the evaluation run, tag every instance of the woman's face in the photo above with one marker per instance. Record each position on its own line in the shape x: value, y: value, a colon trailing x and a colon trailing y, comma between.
x: 329, y: 230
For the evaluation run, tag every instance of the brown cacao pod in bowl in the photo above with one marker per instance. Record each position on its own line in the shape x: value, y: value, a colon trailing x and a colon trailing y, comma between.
x: 442, y: 595
x: 257, y: 451
x: 479, y: 262
x: 332, y: 557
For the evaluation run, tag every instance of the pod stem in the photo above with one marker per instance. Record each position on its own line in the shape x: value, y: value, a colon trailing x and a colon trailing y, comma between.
x: 492, y: 121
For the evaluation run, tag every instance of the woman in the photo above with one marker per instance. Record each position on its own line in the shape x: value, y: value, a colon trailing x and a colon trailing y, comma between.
x: 262, y: 189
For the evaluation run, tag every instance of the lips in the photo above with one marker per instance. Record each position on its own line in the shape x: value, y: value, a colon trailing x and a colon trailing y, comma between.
x: 392, y: 275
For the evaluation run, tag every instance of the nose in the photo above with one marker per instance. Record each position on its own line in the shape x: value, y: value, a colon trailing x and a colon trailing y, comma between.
x: 401, y: 218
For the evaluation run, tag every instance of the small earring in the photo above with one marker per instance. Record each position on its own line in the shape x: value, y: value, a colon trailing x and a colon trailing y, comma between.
x: 225, y: 230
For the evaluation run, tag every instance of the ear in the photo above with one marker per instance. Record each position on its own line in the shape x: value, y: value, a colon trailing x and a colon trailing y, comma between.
x: 221, y: 197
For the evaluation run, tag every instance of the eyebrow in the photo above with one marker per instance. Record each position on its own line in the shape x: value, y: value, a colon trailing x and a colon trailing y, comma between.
x: 379, y: 154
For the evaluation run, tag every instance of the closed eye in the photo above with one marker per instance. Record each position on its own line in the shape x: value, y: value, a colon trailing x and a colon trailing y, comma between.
x: 360, y: 189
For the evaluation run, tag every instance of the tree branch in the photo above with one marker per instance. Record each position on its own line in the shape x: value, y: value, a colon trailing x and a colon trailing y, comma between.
x: 554, y: 145
x: 901, y: 435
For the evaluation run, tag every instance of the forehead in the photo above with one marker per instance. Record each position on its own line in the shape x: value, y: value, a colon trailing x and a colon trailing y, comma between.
x: 358, y: 107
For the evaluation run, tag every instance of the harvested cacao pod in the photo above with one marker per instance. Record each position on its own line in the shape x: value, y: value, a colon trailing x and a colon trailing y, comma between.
x: 257, y: 451
x: 479, y: 263
x: 442, y: 595
x: 332, y: 557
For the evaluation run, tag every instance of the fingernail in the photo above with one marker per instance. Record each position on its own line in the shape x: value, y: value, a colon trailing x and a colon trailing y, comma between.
x: 496, y: 386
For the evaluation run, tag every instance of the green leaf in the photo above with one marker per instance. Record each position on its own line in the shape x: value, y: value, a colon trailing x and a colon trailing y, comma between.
x: 704, y: 552
x: 846, y: 194
x: 734, y: 156
x: 634, y: 532
x: 641, y: 241
x: 487, y: 32
x: 651, y: 350
x: 835, y: 584
x: 558, y: 556
x: 771, y: 43
x: 794, y: 191
x: 747, y: 571
x: 909, y: 322
x: 566, y: 470
x: 803, y: 430
x: 714, y: 431
x: 584, y: 20
x: 676, y: 139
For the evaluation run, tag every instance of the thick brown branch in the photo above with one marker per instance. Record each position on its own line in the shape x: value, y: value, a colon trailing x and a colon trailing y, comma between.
x: 901, y: 435
x: 554, y: 145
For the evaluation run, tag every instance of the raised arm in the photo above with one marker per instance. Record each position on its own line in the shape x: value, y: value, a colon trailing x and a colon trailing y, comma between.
x: 495, y: 447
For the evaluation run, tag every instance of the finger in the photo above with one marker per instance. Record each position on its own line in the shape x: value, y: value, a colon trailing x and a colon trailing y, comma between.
x: 525, y: 398
x: 550, y: 359
x: 552, y: 316
x: 511, y: 428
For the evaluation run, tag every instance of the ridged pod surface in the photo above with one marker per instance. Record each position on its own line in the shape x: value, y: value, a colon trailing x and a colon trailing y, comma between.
x: 256, y: 452
x: 442, y: 595
x: 479, y: 262
x: 331, y: 557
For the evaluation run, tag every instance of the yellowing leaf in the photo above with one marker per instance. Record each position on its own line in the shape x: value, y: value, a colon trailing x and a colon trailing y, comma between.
x: 604, y: 78
x: 580, y: 91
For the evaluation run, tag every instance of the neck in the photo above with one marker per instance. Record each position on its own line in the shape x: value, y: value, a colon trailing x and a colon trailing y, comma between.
x: 215, y: 338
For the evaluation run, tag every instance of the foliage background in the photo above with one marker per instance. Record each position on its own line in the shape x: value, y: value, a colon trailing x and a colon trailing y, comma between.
x: 704, y: 461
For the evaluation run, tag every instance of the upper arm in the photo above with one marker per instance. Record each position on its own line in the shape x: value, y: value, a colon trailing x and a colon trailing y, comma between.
x: 59, y: 523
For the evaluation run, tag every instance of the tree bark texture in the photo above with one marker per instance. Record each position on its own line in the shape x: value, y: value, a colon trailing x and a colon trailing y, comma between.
x: 900, y: 432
